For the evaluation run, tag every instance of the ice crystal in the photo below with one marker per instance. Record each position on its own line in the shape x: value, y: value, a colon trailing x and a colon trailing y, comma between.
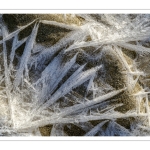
x: 87, y: 80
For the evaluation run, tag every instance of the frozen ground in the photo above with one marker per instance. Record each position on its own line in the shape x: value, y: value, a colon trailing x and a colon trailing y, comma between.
x: 74, y: 75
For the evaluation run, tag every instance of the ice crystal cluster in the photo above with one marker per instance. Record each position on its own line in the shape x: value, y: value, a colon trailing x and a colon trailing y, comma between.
x: 88, y: 78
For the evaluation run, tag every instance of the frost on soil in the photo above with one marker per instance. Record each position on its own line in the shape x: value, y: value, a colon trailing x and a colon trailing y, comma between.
x: 94, y: 81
